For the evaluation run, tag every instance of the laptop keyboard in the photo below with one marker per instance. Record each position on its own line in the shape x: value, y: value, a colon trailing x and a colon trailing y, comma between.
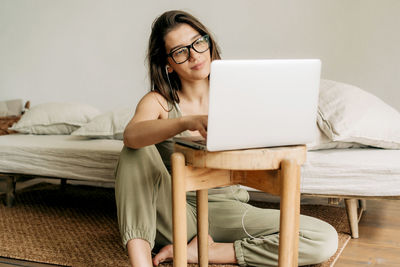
x: 202, y: 142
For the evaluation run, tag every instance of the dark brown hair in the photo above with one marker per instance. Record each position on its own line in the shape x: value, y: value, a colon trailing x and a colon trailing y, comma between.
x: 157, y: 55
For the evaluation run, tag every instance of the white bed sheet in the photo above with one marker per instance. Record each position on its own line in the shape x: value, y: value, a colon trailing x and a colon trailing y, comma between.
x: 62, y: 156
x: 357, y: 172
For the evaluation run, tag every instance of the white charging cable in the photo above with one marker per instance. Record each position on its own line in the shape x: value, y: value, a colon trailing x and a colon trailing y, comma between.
x: 246, y: 210
x: 244, y: 215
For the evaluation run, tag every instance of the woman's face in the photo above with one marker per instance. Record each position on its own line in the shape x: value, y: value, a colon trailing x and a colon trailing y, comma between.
x: 197, y: 67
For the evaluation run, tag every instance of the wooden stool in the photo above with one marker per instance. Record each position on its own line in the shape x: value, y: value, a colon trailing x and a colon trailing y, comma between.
x: 273, y: 170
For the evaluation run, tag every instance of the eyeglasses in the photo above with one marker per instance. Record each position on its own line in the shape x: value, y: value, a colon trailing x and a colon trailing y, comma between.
x: 182, y: 54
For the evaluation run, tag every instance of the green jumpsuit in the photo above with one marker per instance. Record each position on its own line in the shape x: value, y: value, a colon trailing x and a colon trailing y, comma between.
x: 144, y: 207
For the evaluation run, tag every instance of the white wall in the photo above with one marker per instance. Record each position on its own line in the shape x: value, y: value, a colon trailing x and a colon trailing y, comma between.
x: 93, y: 51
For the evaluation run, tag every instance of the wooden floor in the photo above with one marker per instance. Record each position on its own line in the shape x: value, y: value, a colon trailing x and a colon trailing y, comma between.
x: 378, y: 245
x: 379, y: 242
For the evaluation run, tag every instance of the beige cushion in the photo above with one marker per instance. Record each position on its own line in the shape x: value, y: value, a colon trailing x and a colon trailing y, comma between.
x: 110, y: 125
x: 11, y: 107
x: 347, y: 113
x: 55, y: 118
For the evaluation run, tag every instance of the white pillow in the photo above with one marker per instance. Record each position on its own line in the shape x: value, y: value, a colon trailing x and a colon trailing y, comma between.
x: 55, y: 118
x: 348, y: 114
x: 323, y: 142
x: 110, y: 125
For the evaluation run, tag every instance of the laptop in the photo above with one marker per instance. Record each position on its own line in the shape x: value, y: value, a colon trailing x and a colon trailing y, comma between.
x: 260, y: 103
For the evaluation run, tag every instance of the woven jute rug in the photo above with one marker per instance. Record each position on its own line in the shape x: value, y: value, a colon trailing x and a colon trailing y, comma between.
x: 77, y: 226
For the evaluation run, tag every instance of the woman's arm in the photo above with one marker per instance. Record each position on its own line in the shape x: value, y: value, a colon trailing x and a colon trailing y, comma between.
x: 148, y: 126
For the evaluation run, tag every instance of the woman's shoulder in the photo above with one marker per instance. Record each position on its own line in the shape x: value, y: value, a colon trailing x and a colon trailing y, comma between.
x: 155, y: 100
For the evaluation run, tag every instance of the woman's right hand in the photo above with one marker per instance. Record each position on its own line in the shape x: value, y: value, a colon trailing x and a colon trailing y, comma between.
x: 196, y: 123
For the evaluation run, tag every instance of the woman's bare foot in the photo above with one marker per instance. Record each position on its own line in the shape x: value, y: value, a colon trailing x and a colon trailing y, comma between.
x: 192, y: 249
x: 167, y: 253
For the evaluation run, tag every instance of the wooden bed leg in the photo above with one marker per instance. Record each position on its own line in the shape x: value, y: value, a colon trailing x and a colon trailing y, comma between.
x: 363, y: 204
x: 10, y: 190
x: 351, y: 208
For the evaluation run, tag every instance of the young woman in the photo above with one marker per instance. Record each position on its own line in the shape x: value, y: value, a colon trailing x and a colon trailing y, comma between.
x: 179, y: 55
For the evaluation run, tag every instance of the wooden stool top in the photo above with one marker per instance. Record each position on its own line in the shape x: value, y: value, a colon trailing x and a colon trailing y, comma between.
x: 246, y: 159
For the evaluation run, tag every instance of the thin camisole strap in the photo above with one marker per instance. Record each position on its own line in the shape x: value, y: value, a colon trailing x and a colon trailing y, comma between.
x: 178, y: 108
x: 174, y: 111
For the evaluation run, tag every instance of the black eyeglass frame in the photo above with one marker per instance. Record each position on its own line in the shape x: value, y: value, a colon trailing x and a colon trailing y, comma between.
x: 206, y: 36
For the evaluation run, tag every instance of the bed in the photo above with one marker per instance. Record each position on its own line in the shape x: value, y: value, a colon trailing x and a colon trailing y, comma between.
x: 59, y: 156
x: 78, y: 142
x: 350, y: 173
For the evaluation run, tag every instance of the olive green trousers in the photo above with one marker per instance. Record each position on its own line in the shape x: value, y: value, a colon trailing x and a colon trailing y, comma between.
x: 144, y: 206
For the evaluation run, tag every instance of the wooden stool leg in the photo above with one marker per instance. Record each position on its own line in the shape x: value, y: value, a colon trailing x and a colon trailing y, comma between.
x: 179, y: 210
x: 202, y: 226
x: 297, y: 214
x: 290, y: 207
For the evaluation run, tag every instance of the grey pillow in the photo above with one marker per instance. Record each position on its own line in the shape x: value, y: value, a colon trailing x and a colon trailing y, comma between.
x: 110, y: 125
x: 55, y: 118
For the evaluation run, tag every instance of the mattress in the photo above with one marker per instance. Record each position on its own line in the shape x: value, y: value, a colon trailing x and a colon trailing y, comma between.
x: 62, y: 156
x: 351, y: 172
x: 355, y: 172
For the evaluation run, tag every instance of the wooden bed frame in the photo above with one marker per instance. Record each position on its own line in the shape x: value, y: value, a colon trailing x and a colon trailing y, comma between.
x: 11, y: 181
